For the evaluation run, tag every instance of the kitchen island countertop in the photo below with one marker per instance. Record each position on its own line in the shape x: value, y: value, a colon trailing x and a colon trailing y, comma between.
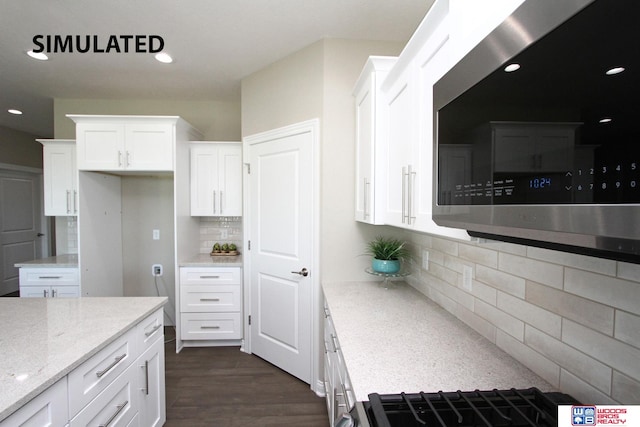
x: 206, y: 260
x: 397, y: 340
x: 43, y: 339
x: 59, y: 261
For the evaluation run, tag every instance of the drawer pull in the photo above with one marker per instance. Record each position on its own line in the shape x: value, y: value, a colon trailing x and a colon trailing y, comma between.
x: 209, y: 277
x: 49, y: 277
x: 146, y: 376
x: 153, y: 331
x: 209, y: 299
x: 119, y: 409
x: 209, y: 327
x: 99, y: 374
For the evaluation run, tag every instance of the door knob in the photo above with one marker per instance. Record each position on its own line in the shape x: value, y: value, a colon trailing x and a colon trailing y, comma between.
x: 304, y: 272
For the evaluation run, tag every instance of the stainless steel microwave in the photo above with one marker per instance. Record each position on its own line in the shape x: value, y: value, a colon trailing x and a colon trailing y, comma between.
x: 537, y: 130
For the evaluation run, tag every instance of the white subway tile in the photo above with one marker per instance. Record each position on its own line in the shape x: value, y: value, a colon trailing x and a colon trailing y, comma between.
x: 629, y: 271
x: 540, y: 271
x: 478, y: 255
x: 588, y: 369
x: 541, y: 365
x: 628, y: 328
x: 505, y: 282
x: 582, y: 391
x: 625, y: 390
x: 532, y: 314
x: 442, y: 300
x: 444, y: 274
x: 480, y: 325
x: 618, y: 293
x: 582, y: 262
x: 486, y: 293
x: 454, y: 293
x: 589, y: 313
x: 620, y: 356
x: 445, y: 245
x: 511, y: 248
x: 500, y: 319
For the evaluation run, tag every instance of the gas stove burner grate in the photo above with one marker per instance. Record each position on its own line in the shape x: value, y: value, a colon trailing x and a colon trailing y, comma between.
x: 494, y: 408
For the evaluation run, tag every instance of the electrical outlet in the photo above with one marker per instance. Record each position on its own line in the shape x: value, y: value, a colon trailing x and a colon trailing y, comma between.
x: 224, y: 233
x: 156, y: 269
x: 425, y: 260
x: 156, y: 234
x: 467, y: 272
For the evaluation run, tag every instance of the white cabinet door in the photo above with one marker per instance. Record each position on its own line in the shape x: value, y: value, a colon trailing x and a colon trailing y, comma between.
x: 100, y: 146
x: 371, y: 122
x: 49, y: 408
x: 151, y: 384
x: 216, y: 179
x: 61, y: 282
x: 60, y: 177
x: 149, y: 147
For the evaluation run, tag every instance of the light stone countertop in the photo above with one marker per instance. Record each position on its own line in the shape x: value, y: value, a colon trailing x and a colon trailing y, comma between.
x: 67, y: 260
x: 397, y: 340
x: 43, y: 339
x: 206, y: 260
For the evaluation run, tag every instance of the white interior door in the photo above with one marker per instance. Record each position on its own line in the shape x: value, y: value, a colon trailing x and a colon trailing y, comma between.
x: 20, y: 211
x: 282, y: 234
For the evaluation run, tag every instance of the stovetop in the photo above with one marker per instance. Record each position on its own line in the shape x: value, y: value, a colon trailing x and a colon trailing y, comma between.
x: 491, y: 408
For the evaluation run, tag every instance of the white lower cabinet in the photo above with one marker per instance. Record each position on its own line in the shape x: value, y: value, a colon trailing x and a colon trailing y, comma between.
x: 47, y: 409
x: 210, y: 304
x: 338, y: 390
x: 63, y: 282
x: 121, y: 385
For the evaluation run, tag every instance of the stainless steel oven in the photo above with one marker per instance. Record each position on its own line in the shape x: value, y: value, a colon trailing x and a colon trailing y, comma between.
x: 537, y: 130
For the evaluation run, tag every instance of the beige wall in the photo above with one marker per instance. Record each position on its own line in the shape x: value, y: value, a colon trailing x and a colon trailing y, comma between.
x: 20, y: 148
x: 317, y: 82
x: 215, y: 119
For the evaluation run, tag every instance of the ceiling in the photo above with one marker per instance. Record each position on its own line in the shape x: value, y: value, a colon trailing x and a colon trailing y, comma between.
x: 214, y: 44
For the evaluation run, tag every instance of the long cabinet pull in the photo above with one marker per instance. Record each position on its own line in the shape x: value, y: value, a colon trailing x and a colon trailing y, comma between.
x: 128, y: 159
x: 366, y: 198
x: 221, y: 206
x: 209, y: 277
x: 49, y: 277
x: 99, y: 374
x: 410, y: 181
x: 153, y: 331
x: 404, y: 193
x: 209, y: 299
x: 146, y: 373
x: 119, y: 158
x: 75, y: 201
x: 119, y: 409
x: 45, y: 293
x: 53, y: 293
x: 214, y: 201
x: 209, y: 327
x: 68, y: 201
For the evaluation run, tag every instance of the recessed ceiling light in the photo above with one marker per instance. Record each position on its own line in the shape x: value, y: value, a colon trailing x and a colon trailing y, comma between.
x: 511, y: 68
x: 615, y: 70
x: 14, y: 111
x: 606, y: 120
x: 164, y: 58
x: 39, y: 55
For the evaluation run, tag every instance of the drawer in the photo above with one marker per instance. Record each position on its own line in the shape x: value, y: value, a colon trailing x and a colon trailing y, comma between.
x: 89, y: 379
x: 205, y: 298
x: 210, y: 276
x: 49, y: 408
x: 149, y: 330
x: 49, y: 276
x: 117, y: 405
x: 211, y: 326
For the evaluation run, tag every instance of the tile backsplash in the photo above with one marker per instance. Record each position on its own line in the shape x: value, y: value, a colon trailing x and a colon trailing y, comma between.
x: 66, y: 228
x: 572, y: 319
x: 226, y: 229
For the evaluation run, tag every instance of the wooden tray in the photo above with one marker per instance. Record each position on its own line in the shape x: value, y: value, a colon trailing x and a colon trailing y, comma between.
x: 230, y: 253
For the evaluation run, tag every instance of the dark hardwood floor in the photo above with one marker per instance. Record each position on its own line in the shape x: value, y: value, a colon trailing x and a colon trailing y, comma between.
x: 224, y: 387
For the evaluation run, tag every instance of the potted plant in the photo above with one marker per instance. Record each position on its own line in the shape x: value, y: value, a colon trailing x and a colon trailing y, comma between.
x: 388, y: 253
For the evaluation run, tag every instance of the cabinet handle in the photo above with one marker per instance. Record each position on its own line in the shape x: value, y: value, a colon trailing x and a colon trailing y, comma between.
x: 49, y: 277
x: 153, y: 331
x: 209, y: 299
x: 214, y: 201
x: 75, y: 201
x: 45, y: 293
x: 404, y: 193
x: 335, y: 343
x: 53, y: 293
x: 411, y: 175
x: 366, y: 198
x: 119, y: 158
x: 209, y: 327
x: 146, y: 377
x: 326, y: 312
x: 221, y: 208
x: 209, y: 277
x: 68, y: 201
x: 99, y: 374
x: 119, y: 409
x: 128, y: 162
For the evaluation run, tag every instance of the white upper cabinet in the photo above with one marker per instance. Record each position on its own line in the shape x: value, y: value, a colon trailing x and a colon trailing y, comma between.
x: 370, y: 128
x: 125, y: 143
x: 60, y: 177
x: 216, y: 179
